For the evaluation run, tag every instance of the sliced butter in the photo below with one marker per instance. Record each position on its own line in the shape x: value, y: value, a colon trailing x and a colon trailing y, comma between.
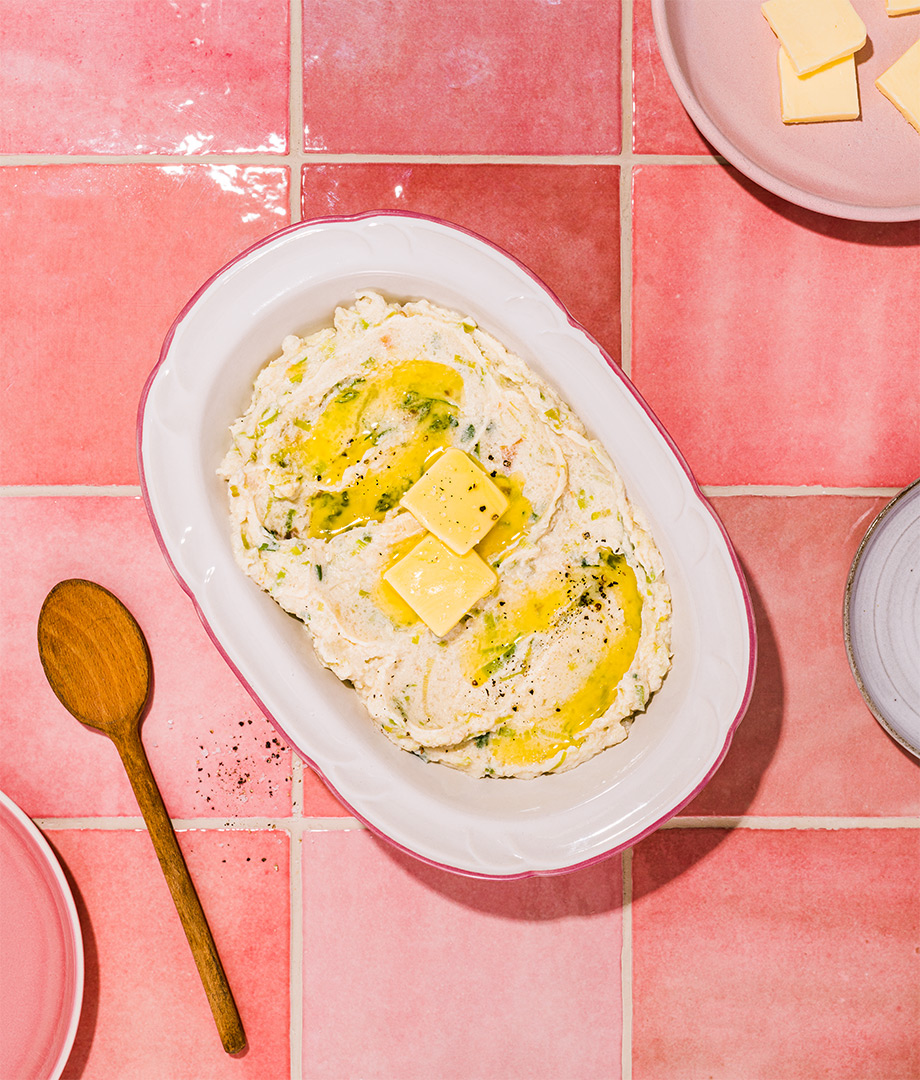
x: 438, y: 585
x: 830, y: 93
x: 815, y: 32
x: 901, y: 84
x: 456, y: 501
x: 901, y: 7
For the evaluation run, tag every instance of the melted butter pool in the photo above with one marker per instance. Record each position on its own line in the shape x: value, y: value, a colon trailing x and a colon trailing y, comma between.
x: 562, y: 729
x: 419, y: 399
x: 512, y: 526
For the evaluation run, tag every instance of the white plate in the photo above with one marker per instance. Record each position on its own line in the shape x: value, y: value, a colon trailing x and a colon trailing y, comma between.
x: 721, y: 57
x: 881, y: 618
x: 41, y: 953
x: 292, y: 282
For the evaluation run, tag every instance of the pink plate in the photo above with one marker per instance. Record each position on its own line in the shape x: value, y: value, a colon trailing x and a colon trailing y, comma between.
x: 41, y: 953
x: 721, y: 57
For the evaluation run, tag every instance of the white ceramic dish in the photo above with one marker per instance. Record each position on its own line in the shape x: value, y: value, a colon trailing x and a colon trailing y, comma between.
x: 41, y: 953
x: 292, y: 282
x: 881, y: 618
x: 721, y: 58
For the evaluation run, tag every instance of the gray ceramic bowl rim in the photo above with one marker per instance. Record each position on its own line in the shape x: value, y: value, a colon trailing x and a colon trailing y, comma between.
x: 857, y: 559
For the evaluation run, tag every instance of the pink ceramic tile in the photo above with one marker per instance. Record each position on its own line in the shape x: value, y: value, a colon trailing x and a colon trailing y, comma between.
x: 777, y: 345
x: 462, y: 78
x: 412, y: 973
x: 211, y: 750
x: 318, y: 801
x: 808, y: 744
x: 660, y: 123
x: 145, y: 1013
x: 98, y: 260
x: 183, y: 77
x: 562, y: 221
x: 776, y: 954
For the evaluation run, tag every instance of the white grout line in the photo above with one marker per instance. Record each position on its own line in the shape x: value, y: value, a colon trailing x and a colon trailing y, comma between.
x: 793, y: 823
x: 626, y: 218
x: 295, y: 1002
x: 626, y: 227
x: 268, y: 160
x: 296, y: 111
x: 107, y: 823
x: 300, y: 825
x: 295, y: 894
x: 263, y: 158
x: 294, y: 825
x: 626, y: 973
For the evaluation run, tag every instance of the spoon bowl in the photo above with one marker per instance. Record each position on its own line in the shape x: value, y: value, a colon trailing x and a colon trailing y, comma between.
x: 95, y: 656
x: 97, y: 662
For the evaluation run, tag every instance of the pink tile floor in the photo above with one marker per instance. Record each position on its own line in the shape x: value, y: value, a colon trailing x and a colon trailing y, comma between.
x: 769, y: 932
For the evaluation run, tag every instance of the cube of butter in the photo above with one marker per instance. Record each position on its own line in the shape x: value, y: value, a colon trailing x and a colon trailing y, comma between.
x: 901, y: 7
x: 438, y: 585
x: 456, y: 501
x: 815, y: 32
x: 830, y: 93
x: 901, y: 84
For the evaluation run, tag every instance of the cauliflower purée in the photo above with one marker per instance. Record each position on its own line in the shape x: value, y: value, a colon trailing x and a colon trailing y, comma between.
x: 551, y: 666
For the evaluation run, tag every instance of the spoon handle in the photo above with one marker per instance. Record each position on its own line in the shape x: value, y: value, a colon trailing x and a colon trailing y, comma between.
x: 184, y: 896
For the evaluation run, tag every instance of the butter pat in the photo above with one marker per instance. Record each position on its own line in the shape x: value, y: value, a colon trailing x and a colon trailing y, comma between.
x: 456, y: 501
x: 901, y: 7
x: 901, y: 84
x: 815, y: 32
x: 438, y: 585
x: 830, y: 93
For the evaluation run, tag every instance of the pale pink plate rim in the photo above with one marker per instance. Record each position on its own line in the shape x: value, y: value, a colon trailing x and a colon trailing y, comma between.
x: 810, y: 200
x: 57, y: 885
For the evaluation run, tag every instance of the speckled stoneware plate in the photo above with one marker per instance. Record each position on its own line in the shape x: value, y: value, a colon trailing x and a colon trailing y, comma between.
x: 721, y: 57
x: 881, y: 618
x: 291, y: 283
x: 41, y: 953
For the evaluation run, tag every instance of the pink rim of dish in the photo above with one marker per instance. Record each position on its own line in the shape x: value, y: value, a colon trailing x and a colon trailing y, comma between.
x: 616, y: 370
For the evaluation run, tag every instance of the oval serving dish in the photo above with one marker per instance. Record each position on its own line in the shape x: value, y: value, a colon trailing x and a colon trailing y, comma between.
x: 291, y: 282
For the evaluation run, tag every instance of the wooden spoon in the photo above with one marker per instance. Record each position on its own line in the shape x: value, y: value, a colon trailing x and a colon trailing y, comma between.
x: 98, y: 664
